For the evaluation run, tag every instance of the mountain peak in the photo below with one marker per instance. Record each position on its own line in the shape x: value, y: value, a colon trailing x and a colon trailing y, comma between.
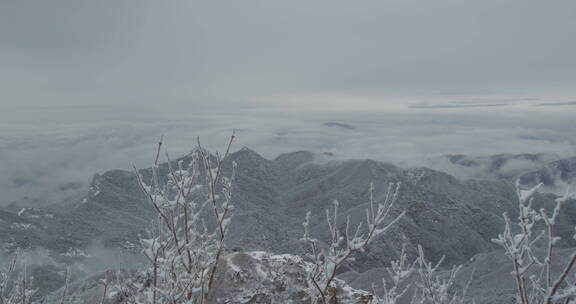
x: 246, y: 153
x: 294, y: 159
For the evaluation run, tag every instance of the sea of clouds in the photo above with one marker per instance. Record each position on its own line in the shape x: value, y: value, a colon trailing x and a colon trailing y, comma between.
x: 43, y: 160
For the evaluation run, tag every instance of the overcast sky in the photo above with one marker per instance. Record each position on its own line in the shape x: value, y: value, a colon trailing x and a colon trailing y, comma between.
x: 89, y: 85
x: 143, y: 53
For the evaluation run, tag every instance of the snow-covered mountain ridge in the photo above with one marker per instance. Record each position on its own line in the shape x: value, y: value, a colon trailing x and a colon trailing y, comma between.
x: 445, y: 215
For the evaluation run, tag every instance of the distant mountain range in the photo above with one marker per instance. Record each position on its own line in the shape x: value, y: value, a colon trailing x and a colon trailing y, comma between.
x: 556, y: 176
x: 447, y: 216
x: 499, y: 166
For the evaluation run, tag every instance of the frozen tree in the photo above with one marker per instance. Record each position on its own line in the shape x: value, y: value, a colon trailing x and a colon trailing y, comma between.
x: 326, y: 260
x: 65, y: 288
x: 15, y: 286
x: 397, y: 286
x: 185, y: 249
x: 421, y: 281
x: 433, y: 288
x: 519, y: 241
x: 429, y: 286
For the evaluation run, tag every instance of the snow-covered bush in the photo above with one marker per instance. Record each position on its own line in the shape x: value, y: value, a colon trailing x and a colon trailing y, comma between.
x: 535, y: 280
x: 434, y: 288
x: 183, y: 251
x: 428, y: 286
x: 397, y: 286
x: 328, y: 259
x: 418, y: 279
x: 15, y: 284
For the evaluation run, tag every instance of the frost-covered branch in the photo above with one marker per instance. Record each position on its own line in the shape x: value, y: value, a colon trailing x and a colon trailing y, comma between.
x: 65, y: 288
x: 395, y: 288
x: 183, y: 252
x: 519, y: 242
x: 435, y: 289
x: 15, y: 286
x: 327, y: 261
x: 422, y: 282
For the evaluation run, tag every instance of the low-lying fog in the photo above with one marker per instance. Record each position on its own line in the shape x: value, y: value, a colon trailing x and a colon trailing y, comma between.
x: 44, y: 160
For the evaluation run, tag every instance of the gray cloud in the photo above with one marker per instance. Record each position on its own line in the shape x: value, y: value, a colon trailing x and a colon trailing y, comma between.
x: 220, y: 54
x: 555, y: 104
x: 449, y: 106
